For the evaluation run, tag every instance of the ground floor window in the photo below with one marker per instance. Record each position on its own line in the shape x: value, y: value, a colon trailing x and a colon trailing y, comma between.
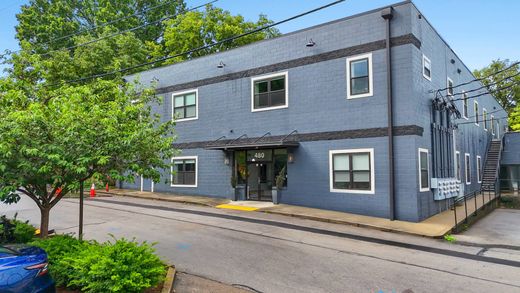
x: 184, y: 172
x: 352, y: 171
x: 479, y: 169
x: 424, y: 170
x: 467, y: 166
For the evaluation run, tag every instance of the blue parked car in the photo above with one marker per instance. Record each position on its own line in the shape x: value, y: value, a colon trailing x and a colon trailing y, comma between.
x: 23, y: 269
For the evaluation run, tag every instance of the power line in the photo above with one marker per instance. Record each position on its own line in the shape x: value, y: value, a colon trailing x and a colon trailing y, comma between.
x: 201, y: 47
x: 8, y: 52
x: 479, y: 79
x: 487, y: 113
x: 486, y: 86
x: 472, y: 122
x: 487, y: 92
x: 130, y: 29
x: 109, y: 22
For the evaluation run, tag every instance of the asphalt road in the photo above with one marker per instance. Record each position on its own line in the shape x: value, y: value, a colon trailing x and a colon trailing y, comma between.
x: 271, y: 253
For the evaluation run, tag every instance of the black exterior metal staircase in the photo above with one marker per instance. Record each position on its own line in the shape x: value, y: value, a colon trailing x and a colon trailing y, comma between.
x: 491, y: 168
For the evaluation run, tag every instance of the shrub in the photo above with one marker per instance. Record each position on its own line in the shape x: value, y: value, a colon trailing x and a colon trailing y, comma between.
x: 119, y: 266
x: 59, y: 247
x: 450, y: 238
x: 15, y: 231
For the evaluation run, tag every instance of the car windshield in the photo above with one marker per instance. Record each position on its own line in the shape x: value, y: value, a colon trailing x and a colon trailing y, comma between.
x: 6, y: 250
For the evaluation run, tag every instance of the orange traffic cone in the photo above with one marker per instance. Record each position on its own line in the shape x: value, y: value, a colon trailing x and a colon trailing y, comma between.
x: 93, y: 190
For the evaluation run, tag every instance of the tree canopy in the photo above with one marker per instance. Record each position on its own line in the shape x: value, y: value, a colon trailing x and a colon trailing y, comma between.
x: 504, y: 84
x: 55, y: 134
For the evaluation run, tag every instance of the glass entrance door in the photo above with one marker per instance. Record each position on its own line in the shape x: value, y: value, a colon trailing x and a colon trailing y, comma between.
x: 260, y: 181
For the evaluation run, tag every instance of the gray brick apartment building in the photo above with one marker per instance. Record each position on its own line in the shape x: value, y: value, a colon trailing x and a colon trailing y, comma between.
x: 317, y: 103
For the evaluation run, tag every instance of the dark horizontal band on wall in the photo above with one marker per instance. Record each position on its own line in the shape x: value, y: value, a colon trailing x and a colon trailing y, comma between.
x: 312, y: 136
x: 340, y: 53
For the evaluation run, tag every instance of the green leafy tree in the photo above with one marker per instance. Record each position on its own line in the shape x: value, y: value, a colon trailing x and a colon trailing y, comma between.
x: 514, y: 119
x: 74, y: 133
x: 199, y: 28
x: 508, y: 79
x: 55, y: 135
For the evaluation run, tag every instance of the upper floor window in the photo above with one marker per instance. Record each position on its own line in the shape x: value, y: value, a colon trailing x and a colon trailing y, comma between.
x: 465, y: 106
x: 477, y: 113
x: 492, y: 125
x: 449, y: 87
x: 352, y: 171
x: 424, y: 170
x: 359, y: 76
x: 427, y: 68
x: 484, y: 119
x: 184, y: 172
x: 269, y: 92
x: 185, y: 105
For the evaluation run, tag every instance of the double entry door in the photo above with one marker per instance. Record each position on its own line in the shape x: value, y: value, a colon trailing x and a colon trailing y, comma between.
x: 260, y: 181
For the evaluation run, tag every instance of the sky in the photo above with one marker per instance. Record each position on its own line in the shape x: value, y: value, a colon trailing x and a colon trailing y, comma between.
x: 479, y: 31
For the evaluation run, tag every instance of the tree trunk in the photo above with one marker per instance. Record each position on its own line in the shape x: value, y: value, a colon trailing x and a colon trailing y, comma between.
x: 44, y: 223
x: 80, y: 232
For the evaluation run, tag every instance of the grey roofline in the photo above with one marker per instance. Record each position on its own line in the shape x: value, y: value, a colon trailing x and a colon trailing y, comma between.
x: 287, y: 34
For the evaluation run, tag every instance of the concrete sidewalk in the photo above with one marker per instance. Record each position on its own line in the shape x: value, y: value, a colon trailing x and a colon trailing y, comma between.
x: 435, y: 227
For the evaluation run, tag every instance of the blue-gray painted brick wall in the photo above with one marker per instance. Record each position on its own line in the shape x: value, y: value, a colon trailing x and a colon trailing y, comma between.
x: 511, y: 152
x: 317, y: 102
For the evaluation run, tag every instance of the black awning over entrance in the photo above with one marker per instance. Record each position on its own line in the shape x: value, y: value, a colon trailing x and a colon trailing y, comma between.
x: 263, y: 142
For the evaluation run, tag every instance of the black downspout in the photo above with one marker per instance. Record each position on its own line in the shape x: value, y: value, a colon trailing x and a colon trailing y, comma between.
x: 434, y: 140
x: 387, y: 15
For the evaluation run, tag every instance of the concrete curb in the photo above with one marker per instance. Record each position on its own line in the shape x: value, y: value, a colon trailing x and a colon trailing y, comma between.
x: 163, y: 199
x: 355, y: 224
x: 170, y: 280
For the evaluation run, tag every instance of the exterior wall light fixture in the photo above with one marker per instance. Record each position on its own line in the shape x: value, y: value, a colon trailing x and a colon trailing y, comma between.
x: 221, y: 64
x: 310, y: 43
x: 290, y: 158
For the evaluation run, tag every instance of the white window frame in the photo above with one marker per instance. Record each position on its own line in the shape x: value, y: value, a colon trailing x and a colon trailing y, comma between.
x: 424, y: 61
x: 479, y: 169
x: 285, y: 74
x: 465, y: 105
x: 448, y: 80
x: 492, y: 120
x: 484, y: 119
x: 458, y: 169
x: 476, y: 113
x: 196, y: 91
x: 370, y: 93
x: 196, y: 158
x: 372, y: 173
x: 421, y: 150
x: 467, y: 163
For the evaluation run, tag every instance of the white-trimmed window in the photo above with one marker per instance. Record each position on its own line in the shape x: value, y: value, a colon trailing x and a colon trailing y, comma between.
x: 465, y: 106
x: 424, y: 170
x: 185, y: 105
x: 467, y: 168
x: 269, y: 92
x: 352, y: 171
x: 359, y: 76
x: 476, y: 113
x: 184, y: 171
x: 485, y: 118
x: 427, y: 68
x: 458, y: 165
x: 479, y: 169
x: 449, y: 87
x: 492, y: 124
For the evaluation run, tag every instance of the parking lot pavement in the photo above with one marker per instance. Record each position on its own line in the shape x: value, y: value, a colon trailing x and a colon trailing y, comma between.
x: 500, y: 229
